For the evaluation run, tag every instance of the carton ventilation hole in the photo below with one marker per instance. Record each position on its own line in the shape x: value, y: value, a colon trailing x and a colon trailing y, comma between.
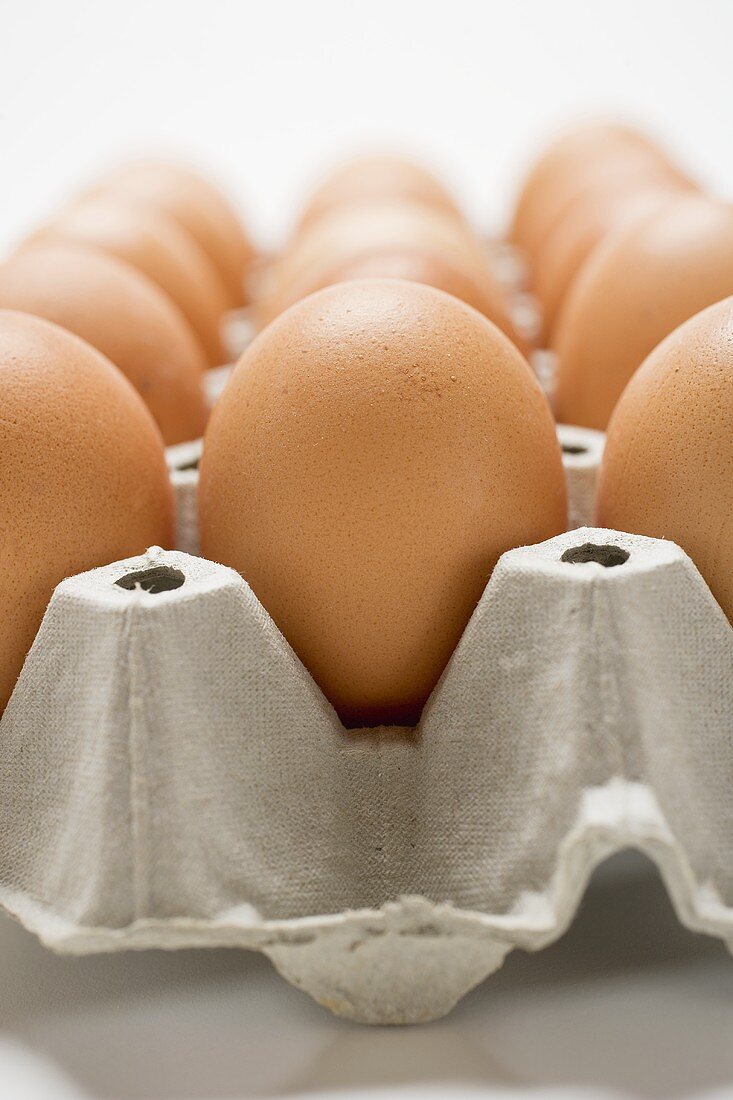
x: 574, y: 449
x: 607, y: 556
x: 159, y: 578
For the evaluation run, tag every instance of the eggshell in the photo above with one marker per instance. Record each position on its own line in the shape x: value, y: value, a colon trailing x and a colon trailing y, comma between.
x: 586, y: 159
x: 431, y: 248
x: 122, y: 314
x: 576, y: 236
x: 637, y: 287
x: 157, y: 246
x: 668, y: 463
x: 376, y: 450
x: 376, y: 178
x: 84, y: 479
x: 199, y: 208
x: 472, y: 283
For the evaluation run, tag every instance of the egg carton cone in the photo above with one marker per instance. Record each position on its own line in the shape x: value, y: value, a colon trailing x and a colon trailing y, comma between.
x: 582, y: 454
x: 183, y: 468
x: 172, y: 776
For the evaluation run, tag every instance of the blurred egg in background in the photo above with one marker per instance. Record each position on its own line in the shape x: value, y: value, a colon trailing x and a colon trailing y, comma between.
x: 668, y: 462
x: 641, y: 283
x: 123, y: 314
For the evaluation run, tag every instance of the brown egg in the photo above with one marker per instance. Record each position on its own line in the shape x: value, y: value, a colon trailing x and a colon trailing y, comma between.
x: 374, y: 179
x: 199, y: 208
x: 639, y: 285
x: 586, y: 159
x: 431, y: 247
x: 383, y: 223
x: 157, y: 246
x: 122, y: 314
x: 473, y: 284
x: 376, y: 450
x: 576, y: 236
x: 84, y: 479
x: 668, y: 463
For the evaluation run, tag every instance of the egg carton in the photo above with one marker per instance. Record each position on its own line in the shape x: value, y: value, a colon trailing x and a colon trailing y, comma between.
x: 171, y: 775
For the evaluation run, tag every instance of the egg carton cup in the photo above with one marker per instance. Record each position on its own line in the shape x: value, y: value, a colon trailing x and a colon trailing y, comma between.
x: 171, y: 775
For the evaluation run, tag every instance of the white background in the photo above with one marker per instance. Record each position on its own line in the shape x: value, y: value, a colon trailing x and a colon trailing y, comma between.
x: 264, y: 94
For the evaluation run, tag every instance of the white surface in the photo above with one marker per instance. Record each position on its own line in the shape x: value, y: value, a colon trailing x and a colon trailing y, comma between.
x: 265, y: 92
x: 628, y: 1004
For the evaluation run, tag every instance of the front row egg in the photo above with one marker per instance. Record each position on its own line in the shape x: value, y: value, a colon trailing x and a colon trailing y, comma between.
x: 376, y: 450
x: 471, y: 282
x: 388, y: 239
x: 668, y: 463
x: 84, y: 480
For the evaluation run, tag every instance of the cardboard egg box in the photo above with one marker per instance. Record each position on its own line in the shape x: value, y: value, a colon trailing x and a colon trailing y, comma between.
x: 172, y: 776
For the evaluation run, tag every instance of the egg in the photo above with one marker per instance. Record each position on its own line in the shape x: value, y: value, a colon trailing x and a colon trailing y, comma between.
x: 473, y: 284
x: 84, y: 479
x: 637, y: 287
x: 383, y: 239
x: 157, y: 246
x: 376, y: 450
x: 375, y: 178
x: 198, y: 207
x: 581, y: 231
x: 668, y: 464
x: 590, y: 158
x: 122, y: 314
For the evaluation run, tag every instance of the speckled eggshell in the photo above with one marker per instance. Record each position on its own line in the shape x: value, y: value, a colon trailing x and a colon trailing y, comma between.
x: 376, y: 450
x: 83, y: 477
x: 668, y: 463
x: 199, y: 208
x: 375, y: 178
x: 354, y: 235
x: 472, y: 283
x: 124, y: 315
x: 153, y: 243
x: 636, y: 288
